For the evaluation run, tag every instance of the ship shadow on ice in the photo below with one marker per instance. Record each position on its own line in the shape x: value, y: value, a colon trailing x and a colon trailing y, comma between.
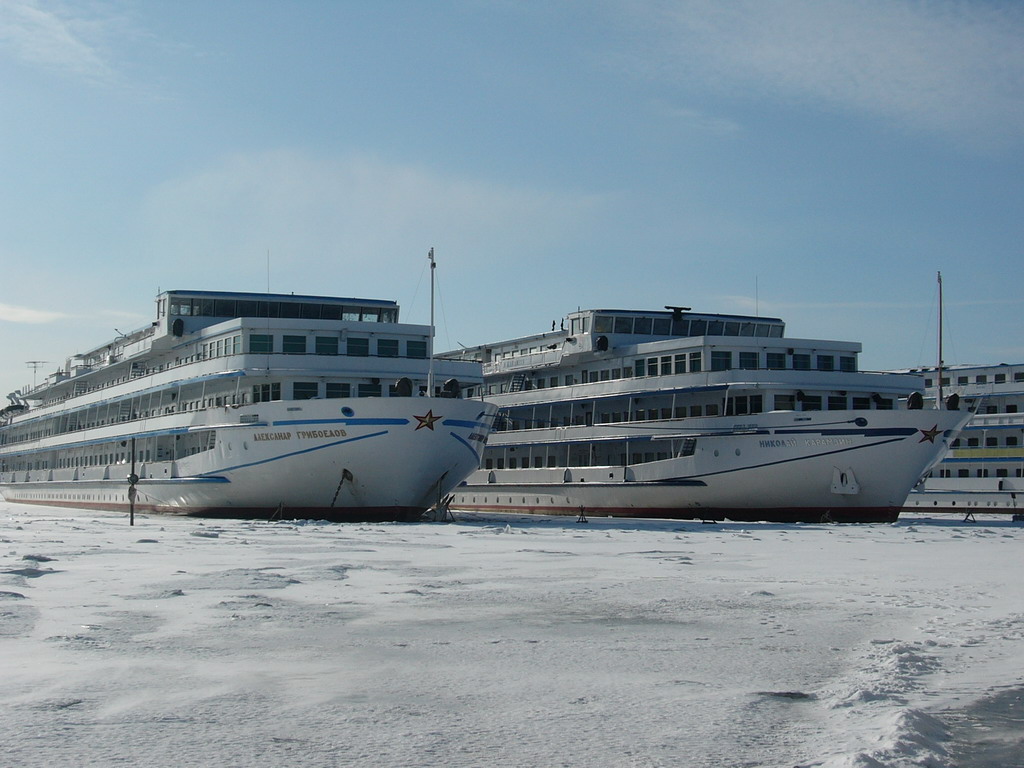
x: 545, y: 522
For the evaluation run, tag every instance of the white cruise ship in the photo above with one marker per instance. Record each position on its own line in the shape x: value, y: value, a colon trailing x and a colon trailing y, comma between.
x: 250, y: 405
x: 681, y: 414
x: 984, y: 470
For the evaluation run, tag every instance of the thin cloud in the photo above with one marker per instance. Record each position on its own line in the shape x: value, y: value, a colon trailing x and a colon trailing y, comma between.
x: 357, y: 212
x: 944, y: 67
x: 704, y: 122
x: 39, y: 36
x: 13, y: 314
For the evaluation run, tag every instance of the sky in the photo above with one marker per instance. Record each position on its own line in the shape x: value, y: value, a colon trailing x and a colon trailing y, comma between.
x: 812, y: 160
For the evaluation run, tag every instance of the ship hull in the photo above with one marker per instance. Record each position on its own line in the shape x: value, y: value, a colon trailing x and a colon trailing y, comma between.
x: 342, y: 459
x: 832, y: 466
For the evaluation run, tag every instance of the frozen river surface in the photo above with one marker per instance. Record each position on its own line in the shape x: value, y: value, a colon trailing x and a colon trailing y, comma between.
x: 504, y: 641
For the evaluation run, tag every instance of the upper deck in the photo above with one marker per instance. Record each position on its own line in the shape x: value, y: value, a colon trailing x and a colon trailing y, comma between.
x: 597, y: 330
x: 181, y: 313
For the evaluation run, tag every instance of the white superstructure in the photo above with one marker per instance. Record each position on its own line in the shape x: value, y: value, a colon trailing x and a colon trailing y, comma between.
x: 691, y: 415
x: 247, y: 404
x: 984, y: 469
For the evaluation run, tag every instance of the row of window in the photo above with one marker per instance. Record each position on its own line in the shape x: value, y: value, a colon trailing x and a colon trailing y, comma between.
x: 264, y: 344
x: 983, y: 472
x: 726, y: 360
x: 684, y: 326
x: 735, y: 406
x: 1009, y: 441
x: 126, y: 410
x: 551, y: 461
x: 232, y: 308
x: 690, y: 362
x: 309, y: 390
x: 981, y: 378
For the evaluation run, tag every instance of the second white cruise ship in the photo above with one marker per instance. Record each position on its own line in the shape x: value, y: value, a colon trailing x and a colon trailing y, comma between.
x: 681, y: 414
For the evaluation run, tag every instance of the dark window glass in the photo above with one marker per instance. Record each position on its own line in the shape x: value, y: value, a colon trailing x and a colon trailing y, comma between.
x: 304, y: 390
x: 369, y: 390
x: 785, y: 403
x: 358, y: 347
x: 335, y: 389
x: 261, y: 344
x: 327, y: 345
x: 263, y: 393
x: 293, y: 345
x: 246, y: 309
x: 224, y: 308
x: 721, y: 360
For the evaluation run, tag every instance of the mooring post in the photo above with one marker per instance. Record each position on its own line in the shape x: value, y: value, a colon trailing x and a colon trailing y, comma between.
x: 132, y: 480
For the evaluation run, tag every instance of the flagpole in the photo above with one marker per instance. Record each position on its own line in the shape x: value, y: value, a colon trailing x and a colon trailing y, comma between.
x: 430, y: 364
x: 938, y: 392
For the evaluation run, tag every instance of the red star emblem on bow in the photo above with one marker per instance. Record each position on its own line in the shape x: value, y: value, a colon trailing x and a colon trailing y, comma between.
x: 427, y: 421
x: 929, y: 434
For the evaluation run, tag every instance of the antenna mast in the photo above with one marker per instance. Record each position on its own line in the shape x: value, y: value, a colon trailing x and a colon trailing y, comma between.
x: 35, y: 365
x: 430, y: 364
x: 938, y: 369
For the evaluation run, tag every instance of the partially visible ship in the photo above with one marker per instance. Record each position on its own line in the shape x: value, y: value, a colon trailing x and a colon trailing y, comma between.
x: 250, y: 405
x: 984, y: 469
x: 681, y: 414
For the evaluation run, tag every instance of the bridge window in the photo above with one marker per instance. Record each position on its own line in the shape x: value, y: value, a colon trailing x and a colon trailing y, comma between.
x: 261, y: 344
x: 293, y: 345
x: 721, y: 360
x: 337, y: 389
x: 326, y: 345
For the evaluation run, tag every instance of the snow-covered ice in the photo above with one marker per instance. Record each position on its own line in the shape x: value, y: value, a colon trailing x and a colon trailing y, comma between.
x: 505, y: 641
